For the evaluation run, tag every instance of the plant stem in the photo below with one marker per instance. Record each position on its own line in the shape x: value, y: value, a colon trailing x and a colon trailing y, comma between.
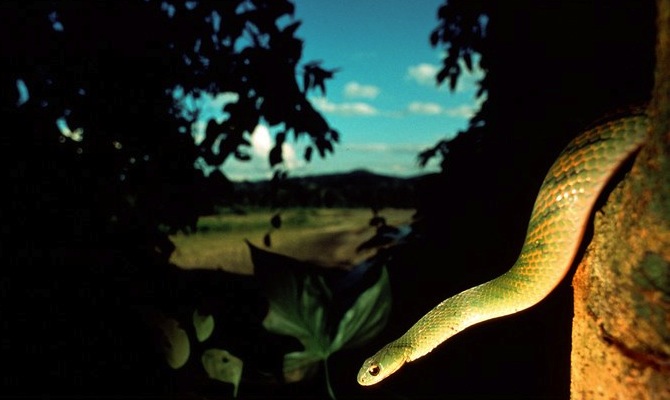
x: 331, y: 394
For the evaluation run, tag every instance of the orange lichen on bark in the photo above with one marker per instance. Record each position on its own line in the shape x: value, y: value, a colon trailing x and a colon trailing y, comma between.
x: 621, y: 327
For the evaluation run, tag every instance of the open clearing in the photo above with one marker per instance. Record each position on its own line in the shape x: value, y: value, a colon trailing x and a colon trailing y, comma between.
x: 328, y: 237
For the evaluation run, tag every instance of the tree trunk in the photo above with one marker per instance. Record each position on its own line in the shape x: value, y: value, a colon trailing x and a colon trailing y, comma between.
x: 621, y: 326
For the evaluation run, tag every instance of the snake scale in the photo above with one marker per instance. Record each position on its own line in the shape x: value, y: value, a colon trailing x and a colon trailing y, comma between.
x: 557, y: 223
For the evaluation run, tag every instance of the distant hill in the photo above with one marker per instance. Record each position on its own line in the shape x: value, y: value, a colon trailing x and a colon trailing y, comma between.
x: 358, y: 188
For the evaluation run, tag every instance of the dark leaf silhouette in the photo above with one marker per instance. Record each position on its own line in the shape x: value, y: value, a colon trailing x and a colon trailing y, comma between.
x: 291, y: 28
x: 453, y: 80
x: 385, y: 235
x: 377, y: 221
x: 278, y: 176
x: 439, y: 149
x: 315, y: 77
x: 276, y: 156
x: 280, y: 138
x: 242, y: 156
x: 335, y: 136
x: 441, y: 75
x: 467, y: 58
x: 434, y: 38
x: 276, y: 221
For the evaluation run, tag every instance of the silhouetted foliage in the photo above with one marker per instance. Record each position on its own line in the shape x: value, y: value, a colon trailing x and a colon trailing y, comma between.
x: 463, y: 28
x: 551, y: 69
x: 115, y: 70
x: 89, y: 202
x: 315, y: 77
x: 276, y: 221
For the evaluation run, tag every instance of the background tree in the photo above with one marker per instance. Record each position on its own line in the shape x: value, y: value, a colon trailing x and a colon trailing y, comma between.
x: 87, y: 206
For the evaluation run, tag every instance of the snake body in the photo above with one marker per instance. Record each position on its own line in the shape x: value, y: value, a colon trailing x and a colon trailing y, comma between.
x: 557, y: 223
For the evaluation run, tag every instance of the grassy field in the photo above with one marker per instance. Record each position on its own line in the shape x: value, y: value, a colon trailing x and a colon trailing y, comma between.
x: 328, y: 237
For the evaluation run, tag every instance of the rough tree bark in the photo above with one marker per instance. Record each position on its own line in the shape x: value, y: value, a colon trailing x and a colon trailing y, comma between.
x: 621, y: 326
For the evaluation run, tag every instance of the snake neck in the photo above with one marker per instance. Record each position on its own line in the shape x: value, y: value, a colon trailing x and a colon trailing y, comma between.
x: 455, y: 314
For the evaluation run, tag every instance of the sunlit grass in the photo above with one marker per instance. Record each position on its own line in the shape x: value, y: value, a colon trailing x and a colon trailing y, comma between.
x: 326, y: 236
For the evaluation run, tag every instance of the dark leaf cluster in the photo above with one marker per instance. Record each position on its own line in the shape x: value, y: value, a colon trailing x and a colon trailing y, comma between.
x: 122, y: 75
x: 461, y: 30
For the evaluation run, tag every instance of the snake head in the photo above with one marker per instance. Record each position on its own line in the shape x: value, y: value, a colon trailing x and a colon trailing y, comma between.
x: 385, y: 362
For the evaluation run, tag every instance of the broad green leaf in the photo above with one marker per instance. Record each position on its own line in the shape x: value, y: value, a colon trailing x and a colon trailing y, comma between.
x: 367, y: 317
x: 301, y: 312
x: 300, y: 303
x: 203, y: 324
x: 223, y: 366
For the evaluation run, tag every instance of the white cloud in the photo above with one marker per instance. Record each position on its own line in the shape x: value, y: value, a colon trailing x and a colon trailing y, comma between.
x: 424, y: 73
x: 290, y: 160
x: 353, y: 108
x: 355, y: 89
x: 258, y: 167
x: 396, y: 148
x: 262, y: 143
x: 462, y: 111
x: 428, y: 108
x: 367, y: 147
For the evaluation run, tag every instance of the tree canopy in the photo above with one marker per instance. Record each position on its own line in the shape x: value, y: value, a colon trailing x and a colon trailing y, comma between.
x: 121, y: 78
x: 98, y: 146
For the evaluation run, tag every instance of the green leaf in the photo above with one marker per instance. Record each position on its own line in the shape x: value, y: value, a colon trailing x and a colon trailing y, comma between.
x: 300, y: 311
x: 223, y: 366
x: 176, y: 348
x: 204, y: 326
x: 301, y: 304
x: 367, y: 317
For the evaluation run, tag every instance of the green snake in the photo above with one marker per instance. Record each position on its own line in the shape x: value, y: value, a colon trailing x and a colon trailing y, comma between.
x: 560, y: 214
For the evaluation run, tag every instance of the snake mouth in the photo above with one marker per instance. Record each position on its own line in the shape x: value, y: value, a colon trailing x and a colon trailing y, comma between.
x: 368, y: 372
x: 370, y: 376
x: 376, y: 368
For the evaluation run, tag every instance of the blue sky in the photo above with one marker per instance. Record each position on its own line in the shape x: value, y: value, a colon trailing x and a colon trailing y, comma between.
x: 383, y: 101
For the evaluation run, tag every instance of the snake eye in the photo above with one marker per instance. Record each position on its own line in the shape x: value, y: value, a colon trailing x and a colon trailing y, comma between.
x: 374, y: 370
